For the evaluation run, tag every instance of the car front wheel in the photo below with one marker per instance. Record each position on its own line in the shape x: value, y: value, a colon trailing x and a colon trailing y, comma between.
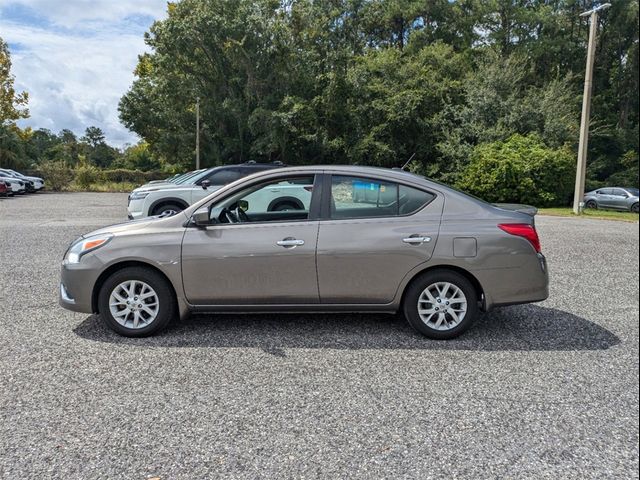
x: 635, y: 208
x: 441, y: 304
x: 167, y: 210
x: 136, y: 302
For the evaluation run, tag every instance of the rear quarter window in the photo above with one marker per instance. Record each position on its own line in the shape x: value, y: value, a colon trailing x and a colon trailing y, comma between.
x: 411, y: 199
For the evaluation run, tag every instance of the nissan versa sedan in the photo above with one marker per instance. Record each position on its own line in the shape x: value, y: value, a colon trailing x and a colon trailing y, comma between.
x: 353, y: 239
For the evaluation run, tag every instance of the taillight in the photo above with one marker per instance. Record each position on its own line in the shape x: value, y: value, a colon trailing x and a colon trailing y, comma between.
x: 523, y: 230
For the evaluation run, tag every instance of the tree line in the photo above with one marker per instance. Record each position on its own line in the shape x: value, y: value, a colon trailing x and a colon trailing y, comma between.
x: 485, y: 93
x: 373, y: 82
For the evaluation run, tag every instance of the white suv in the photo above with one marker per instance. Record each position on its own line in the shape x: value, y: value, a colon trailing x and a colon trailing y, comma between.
x: 178, y: 193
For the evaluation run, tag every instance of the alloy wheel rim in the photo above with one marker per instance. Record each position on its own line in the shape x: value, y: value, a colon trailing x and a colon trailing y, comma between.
x: 134, y: 304
x: 168, y: 213
x: 442, y: 306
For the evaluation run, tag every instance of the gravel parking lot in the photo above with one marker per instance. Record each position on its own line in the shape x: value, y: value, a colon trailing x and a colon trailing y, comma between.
x: 540, y: 391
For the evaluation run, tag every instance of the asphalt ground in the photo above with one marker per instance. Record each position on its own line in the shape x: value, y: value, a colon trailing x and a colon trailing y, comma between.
x: 539, y: 391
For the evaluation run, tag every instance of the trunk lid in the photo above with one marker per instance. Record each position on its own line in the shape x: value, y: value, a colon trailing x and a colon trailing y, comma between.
x: 518, y: 207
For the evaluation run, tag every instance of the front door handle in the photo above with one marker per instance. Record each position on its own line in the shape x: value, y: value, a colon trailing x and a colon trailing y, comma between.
x: 416, y: 240
x: 289, y: 242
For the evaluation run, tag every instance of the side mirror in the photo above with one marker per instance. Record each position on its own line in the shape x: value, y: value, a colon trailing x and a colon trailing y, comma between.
x: 205, y: 184
x: 201, y: 217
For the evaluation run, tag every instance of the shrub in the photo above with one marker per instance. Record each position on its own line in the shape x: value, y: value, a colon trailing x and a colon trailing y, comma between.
x: 520, y: 170
x: 120, y: 175
x: 56, y: 175
x: 86, y: 175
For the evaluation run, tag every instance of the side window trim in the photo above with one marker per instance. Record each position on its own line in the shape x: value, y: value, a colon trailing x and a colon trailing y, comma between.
x: 325, y: 213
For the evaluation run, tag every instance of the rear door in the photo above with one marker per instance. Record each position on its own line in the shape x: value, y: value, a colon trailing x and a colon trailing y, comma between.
x: 619, y: 199
x: 374, y: 233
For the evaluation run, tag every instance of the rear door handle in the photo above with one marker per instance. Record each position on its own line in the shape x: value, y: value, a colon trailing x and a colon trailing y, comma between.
x: 416, y: 240
x: 289, y: 242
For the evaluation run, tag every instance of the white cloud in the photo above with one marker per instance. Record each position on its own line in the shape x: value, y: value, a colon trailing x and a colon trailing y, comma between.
x: 71, y: 13
x: 75, y: 78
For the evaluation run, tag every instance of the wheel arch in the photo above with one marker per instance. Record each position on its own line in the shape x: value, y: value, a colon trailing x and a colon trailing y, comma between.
x: 167, y: 201
x: 465, y: 273
x: 119, y: 266
x: 286, y: 199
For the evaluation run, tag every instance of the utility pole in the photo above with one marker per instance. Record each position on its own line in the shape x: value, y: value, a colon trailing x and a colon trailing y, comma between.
x: 197, y: 133
x: 581, y: 169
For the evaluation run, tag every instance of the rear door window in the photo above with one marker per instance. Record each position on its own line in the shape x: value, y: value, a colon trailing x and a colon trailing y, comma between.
x: 356, y: 197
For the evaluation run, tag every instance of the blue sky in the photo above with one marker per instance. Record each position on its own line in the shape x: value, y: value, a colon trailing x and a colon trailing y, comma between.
x: 76, y: 58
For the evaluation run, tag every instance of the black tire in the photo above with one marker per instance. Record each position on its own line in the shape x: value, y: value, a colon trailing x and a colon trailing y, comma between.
x: 171, y: 207
x: 635, y: 208
x: 418, y: 285
x: 592, y: 204
x: 165, y: 294
x: 284, y: 206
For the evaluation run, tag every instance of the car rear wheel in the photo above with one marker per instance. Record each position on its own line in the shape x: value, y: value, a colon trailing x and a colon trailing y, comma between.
x: 441, y: 304
x: 167, y: 210
x: 592, y: 204
x: 136, y: 302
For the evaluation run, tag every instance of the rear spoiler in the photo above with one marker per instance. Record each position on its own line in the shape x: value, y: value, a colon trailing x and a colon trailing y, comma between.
x: 518, y: 207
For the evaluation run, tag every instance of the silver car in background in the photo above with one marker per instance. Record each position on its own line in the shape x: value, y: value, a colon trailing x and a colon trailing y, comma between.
x: 352, y: 239
x: 616, y: 198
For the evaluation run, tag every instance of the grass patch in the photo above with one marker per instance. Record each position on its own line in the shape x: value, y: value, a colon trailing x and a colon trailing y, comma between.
x: 590, y: 213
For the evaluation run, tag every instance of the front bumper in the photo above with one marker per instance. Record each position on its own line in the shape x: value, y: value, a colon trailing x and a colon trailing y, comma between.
x: 76, y: 285
x: 135, y: 209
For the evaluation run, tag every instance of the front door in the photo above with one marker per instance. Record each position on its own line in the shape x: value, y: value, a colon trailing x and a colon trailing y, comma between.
x: 254, y: 255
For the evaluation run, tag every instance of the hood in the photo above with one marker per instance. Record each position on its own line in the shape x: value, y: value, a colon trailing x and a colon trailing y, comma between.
x: 136, y: 225
x: 158, y: 186
x: 518, y: 207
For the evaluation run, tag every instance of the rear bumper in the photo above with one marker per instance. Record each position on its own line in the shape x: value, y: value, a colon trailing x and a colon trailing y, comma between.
x: 527, y: 283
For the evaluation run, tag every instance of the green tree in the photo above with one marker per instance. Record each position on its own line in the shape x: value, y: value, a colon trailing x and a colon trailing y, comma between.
x: 520, y: 169
x: 13, y: 105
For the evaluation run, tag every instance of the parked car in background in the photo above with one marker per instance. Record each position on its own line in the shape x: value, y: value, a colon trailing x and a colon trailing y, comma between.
x: 614, y: 198
x: 358, y: 239
x: 17, y: 186
x: 5, y: 190
x: 177, y: 194
x: 32, y: 184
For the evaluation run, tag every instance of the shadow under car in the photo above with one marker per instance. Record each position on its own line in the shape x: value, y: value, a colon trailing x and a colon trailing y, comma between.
x: 517, y: 328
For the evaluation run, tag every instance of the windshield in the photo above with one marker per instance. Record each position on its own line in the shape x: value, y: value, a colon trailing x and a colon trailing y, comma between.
x: 187, y: 177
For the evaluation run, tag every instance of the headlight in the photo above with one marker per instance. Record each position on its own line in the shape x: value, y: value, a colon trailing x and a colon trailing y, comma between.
x: 138, y: 195
x: 86, y: 245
